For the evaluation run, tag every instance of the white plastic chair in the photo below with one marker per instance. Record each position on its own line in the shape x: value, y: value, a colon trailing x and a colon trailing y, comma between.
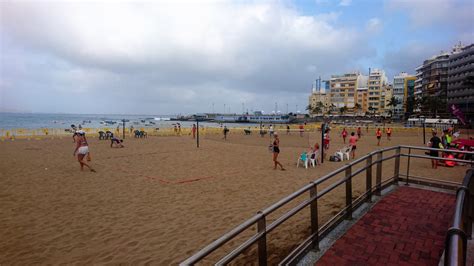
x: 344, y: 153
x: 303, y: 159
x: 314, y: 161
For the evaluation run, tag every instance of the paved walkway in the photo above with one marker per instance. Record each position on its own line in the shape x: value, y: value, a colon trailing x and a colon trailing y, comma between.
x: 407, y: 227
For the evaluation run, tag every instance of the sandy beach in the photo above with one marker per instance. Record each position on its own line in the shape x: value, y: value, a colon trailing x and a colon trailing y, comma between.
x: 160, y: 199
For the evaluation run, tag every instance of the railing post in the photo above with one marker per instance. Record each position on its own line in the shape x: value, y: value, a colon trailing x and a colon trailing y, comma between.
x: 349, y: 192
x: 396, y: 170
x: 262, y: 242
x: 313, y: 193
x: 368, y: 179
x: 378, y: 178
x: 408, y: 167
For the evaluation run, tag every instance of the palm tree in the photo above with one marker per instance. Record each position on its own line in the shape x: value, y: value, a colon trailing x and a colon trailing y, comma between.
x: 357, y: 107
x: 317, y: 109
x: 392, y: 102
x: 371, y: 109
x: 342, y: 110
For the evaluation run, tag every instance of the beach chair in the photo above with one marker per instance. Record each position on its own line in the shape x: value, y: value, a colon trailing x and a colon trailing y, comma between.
x: 108, y: 135
x: 303, y: 159
x: 101, y: 134
x: 345, y: 152
x: 136, y: 133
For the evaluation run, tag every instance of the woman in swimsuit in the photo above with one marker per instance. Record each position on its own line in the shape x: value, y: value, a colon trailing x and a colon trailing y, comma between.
x: 82, y: 149
x: 276, y: 151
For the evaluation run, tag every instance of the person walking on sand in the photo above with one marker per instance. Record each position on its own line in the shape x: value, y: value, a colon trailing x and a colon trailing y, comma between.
x: 179, y: 129
x: 225, y: 131
x: 389, y: 133
x: 359, y: 132
x: 276, y: 152
x: 193, y: 130
x: 287, y: 129
x: 344, y: 135
x: 353, y: 142
x: 434, y: 143
x: 301, y: 130
x: 270, y: 131
x: 82, y: 150
x: 378, y: 133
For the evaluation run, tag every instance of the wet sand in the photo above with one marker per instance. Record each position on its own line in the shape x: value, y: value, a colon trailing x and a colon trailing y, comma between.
x: 160, y: 199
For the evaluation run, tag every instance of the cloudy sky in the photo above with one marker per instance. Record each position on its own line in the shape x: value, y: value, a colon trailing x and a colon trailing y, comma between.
x: 170, y: 57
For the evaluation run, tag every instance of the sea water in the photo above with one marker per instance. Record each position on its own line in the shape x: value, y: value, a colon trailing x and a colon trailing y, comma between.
x: 36, y: 121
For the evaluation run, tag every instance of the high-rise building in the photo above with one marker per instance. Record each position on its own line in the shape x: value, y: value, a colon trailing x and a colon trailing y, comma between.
x: 319, y: 97
x: 432, y: 80
x: 409, y: 96
x: 401, y: 84
x: 361, y: 95
x: 343, y: 89
x: 460, y: 87
x: 376, y: 84
x: 385, y: 97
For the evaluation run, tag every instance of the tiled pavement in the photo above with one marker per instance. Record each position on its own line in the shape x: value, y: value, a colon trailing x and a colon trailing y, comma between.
x: 407, y: 227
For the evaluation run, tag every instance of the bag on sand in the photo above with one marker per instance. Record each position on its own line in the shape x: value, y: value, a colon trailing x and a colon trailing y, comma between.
x: 88, y: 158
x: 334, y: 158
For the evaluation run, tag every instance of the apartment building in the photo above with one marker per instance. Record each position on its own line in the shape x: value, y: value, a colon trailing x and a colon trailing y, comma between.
x: 385, y: 97
x: 460, y: 87
x: 432, y: 79
x: 320, y: 96
x: 403, y: 87
x: 343, y: 89
x: 376, y: 91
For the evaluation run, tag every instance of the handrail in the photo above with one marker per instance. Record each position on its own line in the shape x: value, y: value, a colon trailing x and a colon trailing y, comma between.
x: 260, y: 217
x: 461, y: 229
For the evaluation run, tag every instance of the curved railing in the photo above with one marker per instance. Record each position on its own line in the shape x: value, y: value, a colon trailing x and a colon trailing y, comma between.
x: 317, y: 232
x: 461, y: 229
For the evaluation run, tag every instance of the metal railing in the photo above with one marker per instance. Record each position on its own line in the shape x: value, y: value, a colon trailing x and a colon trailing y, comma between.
x: 461, y: 229
x: 312, y: 189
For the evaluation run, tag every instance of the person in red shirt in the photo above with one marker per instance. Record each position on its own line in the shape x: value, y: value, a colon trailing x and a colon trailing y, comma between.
x: 353, y: 142
x: 194, y: 131
x: 389, y: 133
x: 344, y: 134
x: 301, y: 130
x: 378, y: 133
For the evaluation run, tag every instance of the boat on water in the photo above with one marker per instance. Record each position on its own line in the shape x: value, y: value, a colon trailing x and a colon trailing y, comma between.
x: 162, y: 118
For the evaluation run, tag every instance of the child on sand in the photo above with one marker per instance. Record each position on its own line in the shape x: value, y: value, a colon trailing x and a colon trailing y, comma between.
x: 316, y: 152
x: 327, y: 139
x: 353, y: 142
x: 378, y: 133
x: 344, y: 134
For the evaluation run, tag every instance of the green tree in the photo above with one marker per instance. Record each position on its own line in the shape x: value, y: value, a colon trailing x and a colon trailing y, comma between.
x: 392, y: 103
